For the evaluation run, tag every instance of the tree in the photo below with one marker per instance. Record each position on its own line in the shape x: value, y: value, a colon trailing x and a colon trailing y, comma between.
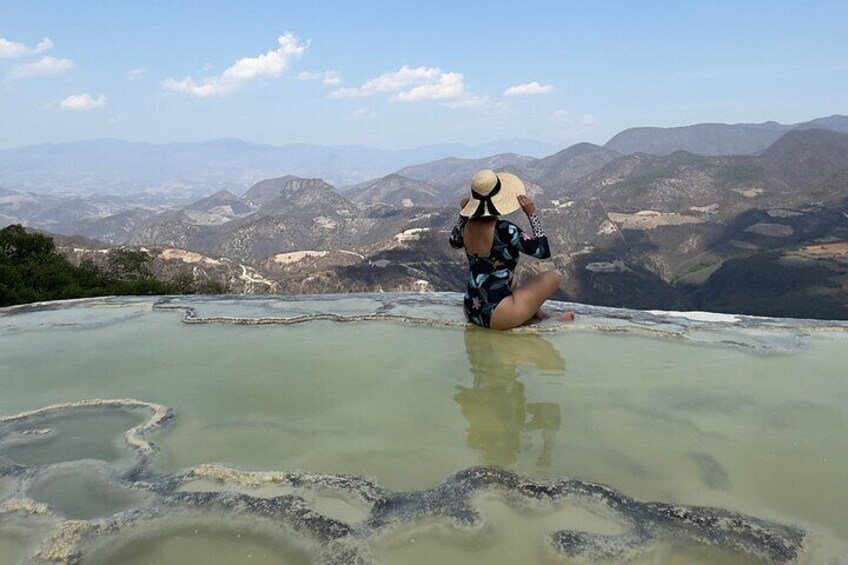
x: 31, y: 270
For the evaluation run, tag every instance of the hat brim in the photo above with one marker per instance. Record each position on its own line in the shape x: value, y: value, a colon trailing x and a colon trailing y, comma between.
x: 505, y: 201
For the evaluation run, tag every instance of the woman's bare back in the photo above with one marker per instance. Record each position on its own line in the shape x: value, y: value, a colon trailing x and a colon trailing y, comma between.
x: 479, y: 235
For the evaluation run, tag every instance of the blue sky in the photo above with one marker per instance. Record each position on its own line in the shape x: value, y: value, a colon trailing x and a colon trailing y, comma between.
x: 403, y: 74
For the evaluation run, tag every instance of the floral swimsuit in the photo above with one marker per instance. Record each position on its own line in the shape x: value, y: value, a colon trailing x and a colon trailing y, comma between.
x: 490, y: 277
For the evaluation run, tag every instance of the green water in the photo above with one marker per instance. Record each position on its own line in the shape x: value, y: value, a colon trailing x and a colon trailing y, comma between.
x: 655, y: 418
x: 517, y: 537
x: 12, y: 549
x: 6, y: 486
x: 78, y: 436
x: 83, y: 494
x: 17, y: 541
x: 203, y: 545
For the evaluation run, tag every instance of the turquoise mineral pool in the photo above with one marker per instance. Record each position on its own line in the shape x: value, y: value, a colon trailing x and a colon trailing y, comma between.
x: 381, y: 429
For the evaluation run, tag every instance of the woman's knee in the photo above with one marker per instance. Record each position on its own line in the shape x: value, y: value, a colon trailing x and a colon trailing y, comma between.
x: 552, y: 277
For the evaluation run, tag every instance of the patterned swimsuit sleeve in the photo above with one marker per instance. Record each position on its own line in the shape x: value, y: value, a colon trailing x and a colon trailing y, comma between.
x: 536, y: 246
x: 456, y: 240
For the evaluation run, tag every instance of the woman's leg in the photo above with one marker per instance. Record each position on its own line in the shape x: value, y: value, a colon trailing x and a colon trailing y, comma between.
x: 525, y: 301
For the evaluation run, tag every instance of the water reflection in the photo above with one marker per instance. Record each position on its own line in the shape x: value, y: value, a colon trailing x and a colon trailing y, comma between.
x: 496, y: 404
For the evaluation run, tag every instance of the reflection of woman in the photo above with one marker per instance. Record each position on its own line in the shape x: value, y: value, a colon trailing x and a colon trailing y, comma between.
x: 492, y: 246
x: 496, y: 405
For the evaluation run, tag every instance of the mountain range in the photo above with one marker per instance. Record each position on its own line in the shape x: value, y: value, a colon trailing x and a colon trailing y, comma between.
x: 714, y: 139
x: 180, y: 171
x: 763, y: 233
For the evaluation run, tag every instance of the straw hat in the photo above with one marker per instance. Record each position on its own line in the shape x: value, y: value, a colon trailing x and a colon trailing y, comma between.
x: 493, y: 194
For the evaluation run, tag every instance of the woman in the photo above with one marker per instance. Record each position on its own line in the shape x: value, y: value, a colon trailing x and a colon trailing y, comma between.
x: 492, y: 246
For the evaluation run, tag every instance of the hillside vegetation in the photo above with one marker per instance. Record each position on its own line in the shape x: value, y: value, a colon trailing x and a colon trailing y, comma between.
x: 31, y: 270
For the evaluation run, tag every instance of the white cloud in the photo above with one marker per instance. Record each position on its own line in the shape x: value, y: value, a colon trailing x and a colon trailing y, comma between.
x: 83, y: 101
x: 136, y: 74
x: 392, y: 82
x: 417, y: 84
x: 11, y: 49
x: 348, y: 92
x: 446, y: 86
x: 329, y: 78
x: 45, y: 66
x: 528, y: 88
x: 247, y: 69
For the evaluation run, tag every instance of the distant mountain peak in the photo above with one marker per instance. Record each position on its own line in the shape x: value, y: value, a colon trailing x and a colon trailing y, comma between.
x: 396, y: 190
x: 224, y: 195
x: 836, y: 122
x: 713, y: 139
x: 266, y: 190
x: 801, y: 140
x: 295, y: 195
x: 395, y: 177
x: 583, y: 146
x: 805, y: 155
x: 579, y: 149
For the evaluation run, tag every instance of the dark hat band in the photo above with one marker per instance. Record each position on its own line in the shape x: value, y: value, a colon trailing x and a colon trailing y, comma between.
x: 486, y: 201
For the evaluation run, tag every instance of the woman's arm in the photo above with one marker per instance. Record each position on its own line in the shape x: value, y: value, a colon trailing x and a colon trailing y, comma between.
x: 536, y: 246
x: 456, y: 240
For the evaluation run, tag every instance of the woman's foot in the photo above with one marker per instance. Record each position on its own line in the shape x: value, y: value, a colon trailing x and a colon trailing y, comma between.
x: 567, y: 316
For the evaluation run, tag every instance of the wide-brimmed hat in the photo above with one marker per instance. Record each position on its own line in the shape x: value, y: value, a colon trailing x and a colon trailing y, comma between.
x: 493, y: 194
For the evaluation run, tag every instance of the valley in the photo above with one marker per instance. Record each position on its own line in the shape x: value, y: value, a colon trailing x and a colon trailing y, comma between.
x: 758, y: 232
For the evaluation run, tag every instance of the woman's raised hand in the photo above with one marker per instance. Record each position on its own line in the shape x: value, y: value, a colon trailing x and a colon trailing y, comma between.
x: 526, y: 204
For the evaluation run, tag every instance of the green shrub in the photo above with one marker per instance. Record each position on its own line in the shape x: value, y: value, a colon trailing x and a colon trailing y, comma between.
x: 31, y: 270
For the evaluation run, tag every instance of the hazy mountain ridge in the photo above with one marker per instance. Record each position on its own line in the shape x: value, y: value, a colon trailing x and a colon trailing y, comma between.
x: 679, y: 231
x: 193, y: 169
x: 221, y: 198
x: 569, y: 164
x: 787, y: 167
x: 674, y: 231
x: 177, y: 173
x: 292, y: 195
x: 287, y: 214
x: 61, y: 214
x: 452, y: 175
x: 802, y: 156
x: 219, y: 208
x: 699, y: 222
x: 713, y: 139
x: 396, y: 190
